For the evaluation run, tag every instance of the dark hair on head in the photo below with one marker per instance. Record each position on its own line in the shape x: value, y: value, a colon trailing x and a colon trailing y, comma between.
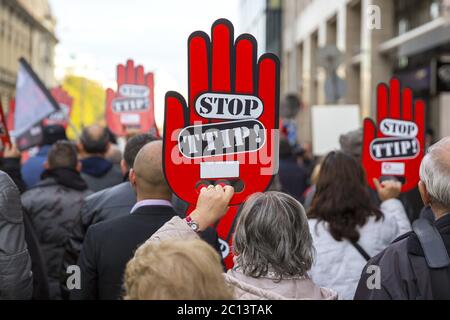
x: 63, y: 155
x: 53, y: 133
x: 342, y: 197
x: 112, y: 136
x: 134, y: 145
x: 95, y: 142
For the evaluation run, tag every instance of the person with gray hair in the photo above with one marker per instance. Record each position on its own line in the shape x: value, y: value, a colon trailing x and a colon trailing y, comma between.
x: 272, y: 244
x: 405, y: 269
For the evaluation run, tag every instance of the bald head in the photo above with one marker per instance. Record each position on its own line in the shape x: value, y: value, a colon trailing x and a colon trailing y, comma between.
x: 435, y: 175
x: 147, y: 176
x: 95, y: 140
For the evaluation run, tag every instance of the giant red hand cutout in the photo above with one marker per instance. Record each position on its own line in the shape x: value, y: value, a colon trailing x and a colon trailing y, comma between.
x: 227, y: 131
x: 395, y: 145
x: 132, y: 106
x: 227, y: 128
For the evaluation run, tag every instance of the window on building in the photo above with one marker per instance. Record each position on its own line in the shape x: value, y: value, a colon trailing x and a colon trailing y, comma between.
x: 410, y: 14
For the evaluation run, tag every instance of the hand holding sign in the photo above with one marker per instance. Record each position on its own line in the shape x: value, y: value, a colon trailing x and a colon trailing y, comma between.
x: 231, y: 113
x: 396, y: 146
x: 131, y: 107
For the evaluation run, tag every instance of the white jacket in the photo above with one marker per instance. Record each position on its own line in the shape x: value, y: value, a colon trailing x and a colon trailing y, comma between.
x: 338, y: 265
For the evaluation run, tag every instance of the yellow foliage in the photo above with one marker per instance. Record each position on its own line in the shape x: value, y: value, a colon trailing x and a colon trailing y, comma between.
x: 88, y: 103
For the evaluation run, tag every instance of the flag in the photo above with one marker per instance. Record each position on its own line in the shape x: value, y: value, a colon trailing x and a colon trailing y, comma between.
x: 4, y: 135
x: 33, y: 103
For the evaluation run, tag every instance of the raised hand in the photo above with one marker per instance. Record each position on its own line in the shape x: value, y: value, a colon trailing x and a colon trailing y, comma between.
x: 394, y: 146
x: 226, y: 132
x: 132, y: 106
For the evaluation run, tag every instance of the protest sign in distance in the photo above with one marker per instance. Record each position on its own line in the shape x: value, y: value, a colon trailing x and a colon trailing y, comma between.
x: 394, y: 145
x: 131, y: 107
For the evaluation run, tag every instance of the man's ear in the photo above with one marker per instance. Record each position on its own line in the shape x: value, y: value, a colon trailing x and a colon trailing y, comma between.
x: 132, y: 177
x: 424, y: 194
x: 80, y: 147
x: 108, y: 146
x: 46, y: 165
x: 123, y: 167
x: 79, y: 166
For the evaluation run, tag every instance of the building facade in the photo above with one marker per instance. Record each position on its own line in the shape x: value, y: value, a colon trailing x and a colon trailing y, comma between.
x: 27, y: 29
x: 262, y: 19
x: 378, y: 39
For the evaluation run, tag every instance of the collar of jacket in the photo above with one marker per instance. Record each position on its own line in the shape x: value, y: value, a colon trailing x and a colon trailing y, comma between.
x: 66, y: 177
x: 163, y: 210
x: 96, y: 166
x: 443, y: 226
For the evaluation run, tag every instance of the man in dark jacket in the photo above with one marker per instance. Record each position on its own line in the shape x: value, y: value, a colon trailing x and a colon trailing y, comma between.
x: 98, y: 172
x: 111, y: 244
x: 33, y: 168
x: 293, y: 178
x: 16, y: 279
x: 104, y: 205
x: 401, y: 272
x: 53, y: 206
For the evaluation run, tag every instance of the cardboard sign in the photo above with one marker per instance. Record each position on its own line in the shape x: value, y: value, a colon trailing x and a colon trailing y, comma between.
x: 4, y: 135
x: 395, y: 145
x: 329, y: 122
x: 131, y: 107
x: 227, y: 130
x: 62, y: 116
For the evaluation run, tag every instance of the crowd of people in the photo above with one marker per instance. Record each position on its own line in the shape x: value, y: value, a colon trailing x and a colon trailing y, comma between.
x: 318, y: 234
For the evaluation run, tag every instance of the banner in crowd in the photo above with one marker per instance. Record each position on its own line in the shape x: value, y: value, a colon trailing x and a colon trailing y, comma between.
x: 4, y: 134
x: 131, y: 108
x: 33, y: 103
x: 394, y: 146
x: 227, y: 130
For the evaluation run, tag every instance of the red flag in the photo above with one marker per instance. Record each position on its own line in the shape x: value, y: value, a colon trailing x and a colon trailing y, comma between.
x: 4, y: 134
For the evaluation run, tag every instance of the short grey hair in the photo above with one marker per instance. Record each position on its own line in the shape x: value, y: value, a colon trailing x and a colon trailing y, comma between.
x: 272, y: 234
x: 435, y: 172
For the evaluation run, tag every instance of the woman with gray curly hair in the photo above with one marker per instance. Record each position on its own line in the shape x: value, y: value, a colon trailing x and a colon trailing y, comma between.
x: 272, y: 244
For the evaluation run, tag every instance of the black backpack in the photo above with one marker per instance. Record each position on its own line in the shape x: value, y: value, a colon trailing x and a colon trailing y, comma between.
x: 436, y: 257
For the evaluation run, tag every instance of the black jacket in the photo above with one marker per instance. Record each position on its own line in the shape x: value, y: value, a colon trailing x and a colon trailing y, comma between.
x: 104, y: 205
x: 41, y: 290
x: 53, y: 206
x: 292, y: 177
x: 100, y: 173
x: 16, y: 279
x: 110, y: 245
x: 404, y: 272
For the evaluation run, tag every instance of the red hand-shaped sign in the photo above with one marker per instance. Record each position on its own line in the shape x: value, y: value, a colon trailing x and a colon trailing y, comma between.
x: 62, y: 116
x: 395, y: 146
x: 132, y: 106
x: 227, y: 130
